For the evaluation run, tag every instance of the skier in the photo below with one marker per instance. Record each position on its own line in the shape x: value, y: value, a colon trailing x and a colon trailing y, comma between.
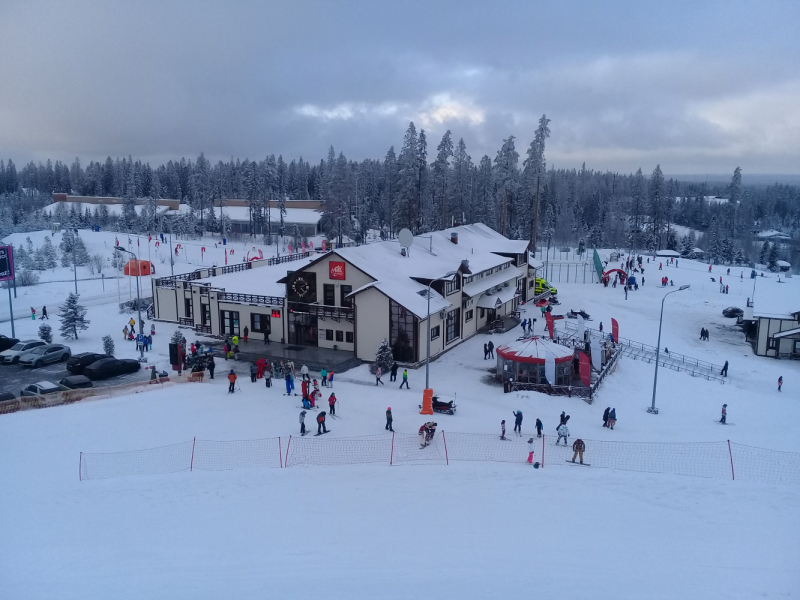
x: 724, y: 371
x: 605, y: 416
x: 304, y: 373
x: 578, y: 446
x: 724, y: 418
x: 321, y: 423
x: 612, y: 418
x: 503, y: 429
x: 323, y: 375
x: 524, y: 323
x: 253, y: 372
x: 563, y: 432
x: 302, y: 422
x: 393, y: 375
x: 44, y: 313
x: 530, y: 451
x: 780, y: 382
x: 378, y: 373
x: 539, y: 428
x: 389, y: 420
x: 288, y: 378
x: 485, y: 351
x: 517, y: 421
x: 490, y: 345
x: 211, y: 366
x: 331, y: 404
x: 232, y: 380
x: 405, y: 380
x: 304, y: 389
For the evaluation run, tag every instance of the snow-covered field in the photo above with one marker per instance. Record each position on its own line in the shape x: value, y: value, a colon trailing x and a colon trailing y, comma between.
x: 468, y: 530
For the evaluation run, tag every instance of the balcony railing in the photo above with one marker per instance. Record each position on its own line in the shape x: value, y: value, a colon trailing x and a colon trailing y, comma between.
x: 250, y: 299
x: 186, y: 321
x: 335, y: 313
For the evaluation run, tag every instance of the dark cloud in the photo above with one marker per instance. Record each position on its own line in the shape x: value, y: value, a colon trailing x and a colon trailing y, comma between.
x: 698, y: 87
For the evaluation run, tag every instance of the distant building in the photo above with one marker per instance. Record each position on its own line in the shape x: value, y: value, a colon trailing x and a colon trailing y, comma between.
x: 774, y: 319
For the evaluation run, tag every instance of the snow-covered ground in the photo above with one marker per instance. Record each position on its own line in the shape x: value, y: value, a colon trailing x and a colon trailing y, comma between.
x: 466, y: 530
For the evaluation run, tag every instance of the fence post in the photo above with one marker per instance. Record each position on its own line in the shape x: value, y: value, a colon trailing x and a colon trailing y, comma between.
x: 733, y: 475
x: 446, y: 458
x: 80, y: 467
x: 391, y: 455
x: 544, y: 435
x: 286, y: 460
x: 191, y: 464
x: 280, y: 452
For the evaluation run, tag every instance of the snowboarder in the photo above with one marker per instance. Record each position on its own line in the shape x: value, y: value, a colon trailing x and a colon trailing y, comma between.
x: 44, y: 313
x: 393, y: 375
x: 321, y: 423
x: 503, y: 429
x: 563, y: 432
x: 245, y: 333
x: 389, y: 420
x: 378, y: 374
x: 517, y: 421
x: 253, y: 372
x: 211, y: 366
x: 304, y: 373
x: 490, y: 345
x: 724, y: 371
x: 232, y: 380
x: 724, y: 414
x: 323, y: 375
x: 780, y: 382
x: 302, y: 422
x: 578, y: 446
x: 485, y: 351
x: 331, y: 403
x: 605, y: 416
x: 405, y: 380
x: 530, y: 451
x: 612, y: 418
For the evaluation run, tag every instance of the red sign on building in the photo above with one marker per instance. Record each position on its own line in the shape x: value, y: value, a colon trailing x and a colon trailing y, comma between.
x: 336, y: 270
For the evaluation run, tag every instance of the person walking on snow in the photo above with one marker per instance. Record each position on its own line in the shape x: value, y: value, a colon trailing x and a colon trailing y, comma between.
x: 405, y: 380
x: 389, y: 420
x: 503, y: 429
x: 302, y: 422
x: 490, y: 345
x: 253, y: 372
x: 780, y: 382
x: 517, y: 421
x: 393, y: 372
x: 724, y: 414
x: 485, y: 351
x: 530, y: 451
x: 605, y: 416
x: 332, y: 404
x: 232, y: 380
x: 563, y: 432
x: 321, y: 423
x: 211, y: 366
x: 578, y: 447
x: 539, y: 428
x: 724, y: 371
x: 612, y: 418
x: 44, y: 313
x: 378, y: 374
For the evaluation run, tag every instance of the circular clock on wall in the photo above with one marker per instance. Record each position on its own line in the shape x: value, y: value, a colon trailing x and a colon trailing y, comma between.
x: 300, y: 286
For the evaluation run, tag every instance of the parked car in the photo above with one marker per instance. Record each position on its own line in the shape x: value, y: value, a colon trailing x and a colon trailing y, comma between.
x: 43, y: 355
x: 11, y: 356
x: 7, y: 396
x: 76, y: 382
x: 111, y: 367
x: 79, y: 362
x: 732, y: 312
x: 41, y: 388
x: 6, y: 342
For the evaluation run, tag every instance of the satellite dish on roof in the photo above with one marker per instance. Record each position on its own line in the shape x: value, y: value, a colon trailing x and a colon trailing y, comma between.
x: 406, y: 238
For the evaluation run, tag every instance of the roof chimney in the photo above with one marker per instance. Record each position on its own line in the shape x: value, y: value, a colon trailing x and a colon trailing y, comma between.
x: 454, y: 237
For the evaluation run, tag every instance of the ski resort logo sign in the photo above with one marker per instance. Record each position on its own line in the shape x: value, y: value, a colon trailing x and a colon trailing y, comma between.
x: 7, y: 263
x: 337, y: 270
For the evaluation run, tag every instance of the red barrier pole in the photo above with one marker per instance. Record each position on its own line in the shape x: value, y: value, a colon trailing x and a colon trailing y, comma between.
x: 447, y: 460
x: 191, y: 464
x: 391, y: 456
x: 280, y: 452
x: 544, y: 435
x: 80, y: 467
x: 286, y: 460
x: 733, y: 475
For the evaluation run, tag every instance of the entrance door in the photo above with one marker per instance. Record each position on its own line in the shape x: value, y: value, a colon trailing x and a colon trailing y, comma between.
x: 491, y: 315
x: 303, y: 329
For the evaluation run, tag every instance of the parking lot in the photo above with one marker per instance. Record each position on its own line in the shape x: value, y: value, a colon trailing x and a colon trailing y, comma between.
x: 14, y: 377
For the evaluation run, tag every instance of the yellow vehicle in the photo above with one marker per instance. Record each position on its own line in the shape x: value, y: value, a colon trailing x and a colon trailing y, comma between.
x: 543, y: 286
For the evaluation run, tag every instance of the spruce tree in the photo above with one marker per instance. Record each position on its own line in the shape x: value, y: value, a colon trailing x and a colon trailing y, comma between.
x: 772, y: 261
x: 108, y: 345
x: 46, y: 333
x: 73, y: 317
x: 50, y: 257
x: 384, y: 357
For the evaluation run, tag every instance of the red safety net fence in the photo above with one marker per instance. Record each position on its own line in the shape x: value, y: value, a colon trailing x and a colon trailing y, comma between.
x: 719, y: 460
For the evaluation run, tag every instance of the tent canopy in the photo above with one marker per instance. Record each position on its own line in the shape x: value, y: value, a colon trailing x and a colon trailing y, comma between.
x: 534, y: 350
x: 139, y: 267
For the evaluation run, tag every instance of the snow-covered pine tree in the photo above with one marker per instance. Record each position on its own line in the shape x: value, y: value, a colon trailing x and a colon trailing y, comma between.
x: 81, y: 255
x: 773, y: 258
x: 177, y: 337
x: 46, y: 333
x: 762, y: 256
x: 50, y: 256
x: 383, y: 356
x: 73, y: 317
x: 108, y: 345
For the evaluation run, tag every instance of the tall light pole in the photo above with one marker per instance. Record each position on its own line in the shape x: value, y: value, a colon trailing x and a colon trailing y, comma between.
x: 138, y: 301
x: 653, y: 409
x: 428, y: 353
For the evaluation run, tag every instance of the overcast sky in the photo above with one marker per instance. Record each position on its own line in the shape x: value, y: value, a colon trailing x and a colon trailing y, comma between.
x: 699, y: 87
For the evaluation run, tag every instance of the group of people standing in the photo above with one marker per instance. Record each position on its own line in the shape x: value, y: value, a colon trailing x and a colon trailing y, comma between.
x: 143, y: 341
x: 392, y: 375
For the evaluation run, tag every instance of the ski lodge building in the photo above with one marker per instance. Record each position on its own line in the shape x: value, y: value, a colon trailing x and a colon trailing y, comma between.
x: 776, y: 317
x: 350, y: 299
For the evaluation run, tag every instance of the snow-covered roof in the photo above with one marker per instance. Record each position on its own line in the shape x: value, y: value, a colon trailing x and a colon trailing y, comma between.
x: 241, y: 214
x: 534, y: 263
x: 787, y: 333
x: 772, y: 233
x: 668, y: 253
x: 534, y: 350
x: 478, y: 286
x: 698, y: 251
x: 258, y: 280
x: 783, y: 263
x: 776, y: 300
x: 114, y: 210
x: 413, y: 296
x: 484, y: 238
x: 495, y: 299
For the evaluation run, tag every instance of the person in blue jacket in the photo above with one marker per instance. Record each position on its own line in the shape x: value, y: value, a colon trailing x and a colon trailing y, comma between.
x: 517, y: 421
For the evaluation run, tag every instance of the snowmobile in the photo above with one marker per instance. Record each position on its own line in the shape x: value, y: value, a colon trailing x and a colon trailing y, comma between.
x: 445, y: 408
x: 574, y: 315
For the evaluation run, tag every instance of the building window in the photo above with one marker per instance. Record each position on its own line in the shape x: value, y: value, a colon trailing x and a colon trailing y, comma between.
x: 531, y: 283
x: 206, y: 313
x: 453, y: 325
x: 344, y: 300
x: 187, y: 304
x: 328, y: 294
x: 402, y: 337
x: 482, y: 313
x: 505, y: 266
x: 260, y: 323
x: 435, y: 332
x: 329, y: 335
x: 229, y: 321
x: 348, y: 337
x: 452, y: 286
x: 339, y: 335
x: 772, y: 344
x: 469, y: 314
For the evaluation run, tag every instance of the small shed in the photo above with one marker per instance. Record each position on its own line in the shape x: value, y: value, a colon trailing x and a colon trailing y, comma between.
x: 668, y: 253
x: 697, y: 253
x: 139, y: 267
x: 523, y: 361
x: 783, y: 266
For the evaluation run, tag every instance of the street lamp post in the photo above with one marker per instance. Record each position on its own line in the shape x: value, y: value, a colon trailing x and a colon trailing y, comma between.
x: 653, y: 409
x: 428, y: 345
x: 138, y: 301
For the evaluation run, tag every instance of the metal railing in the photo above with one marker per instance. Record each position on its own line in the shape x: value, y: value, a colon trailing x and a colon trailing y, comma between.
x: 186, y: 321
x: 202, y: 328
x: 250, y: 299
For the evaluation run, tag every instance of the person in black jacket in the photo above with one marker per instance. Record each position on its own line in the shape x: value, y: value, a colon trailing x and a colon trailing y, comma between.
x: 393, y: 376
x: 389, y: 419
x: 211, y: 366
x: 490, y: 346
x: 539, y: 428
x: 605, y: 416
x: 517, y: 421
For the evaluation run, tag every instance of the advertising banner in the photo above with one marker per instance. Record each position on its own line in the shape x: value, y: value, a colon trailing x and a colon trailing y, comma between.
x: 337, y: 270
x: 6, y: 263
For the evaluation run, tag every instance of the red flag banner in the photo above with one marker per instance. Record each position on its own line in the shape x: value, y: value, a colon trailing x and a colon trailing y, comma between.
x: 585, y: 369
x: 615, y: 330
x: 549, y: 318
